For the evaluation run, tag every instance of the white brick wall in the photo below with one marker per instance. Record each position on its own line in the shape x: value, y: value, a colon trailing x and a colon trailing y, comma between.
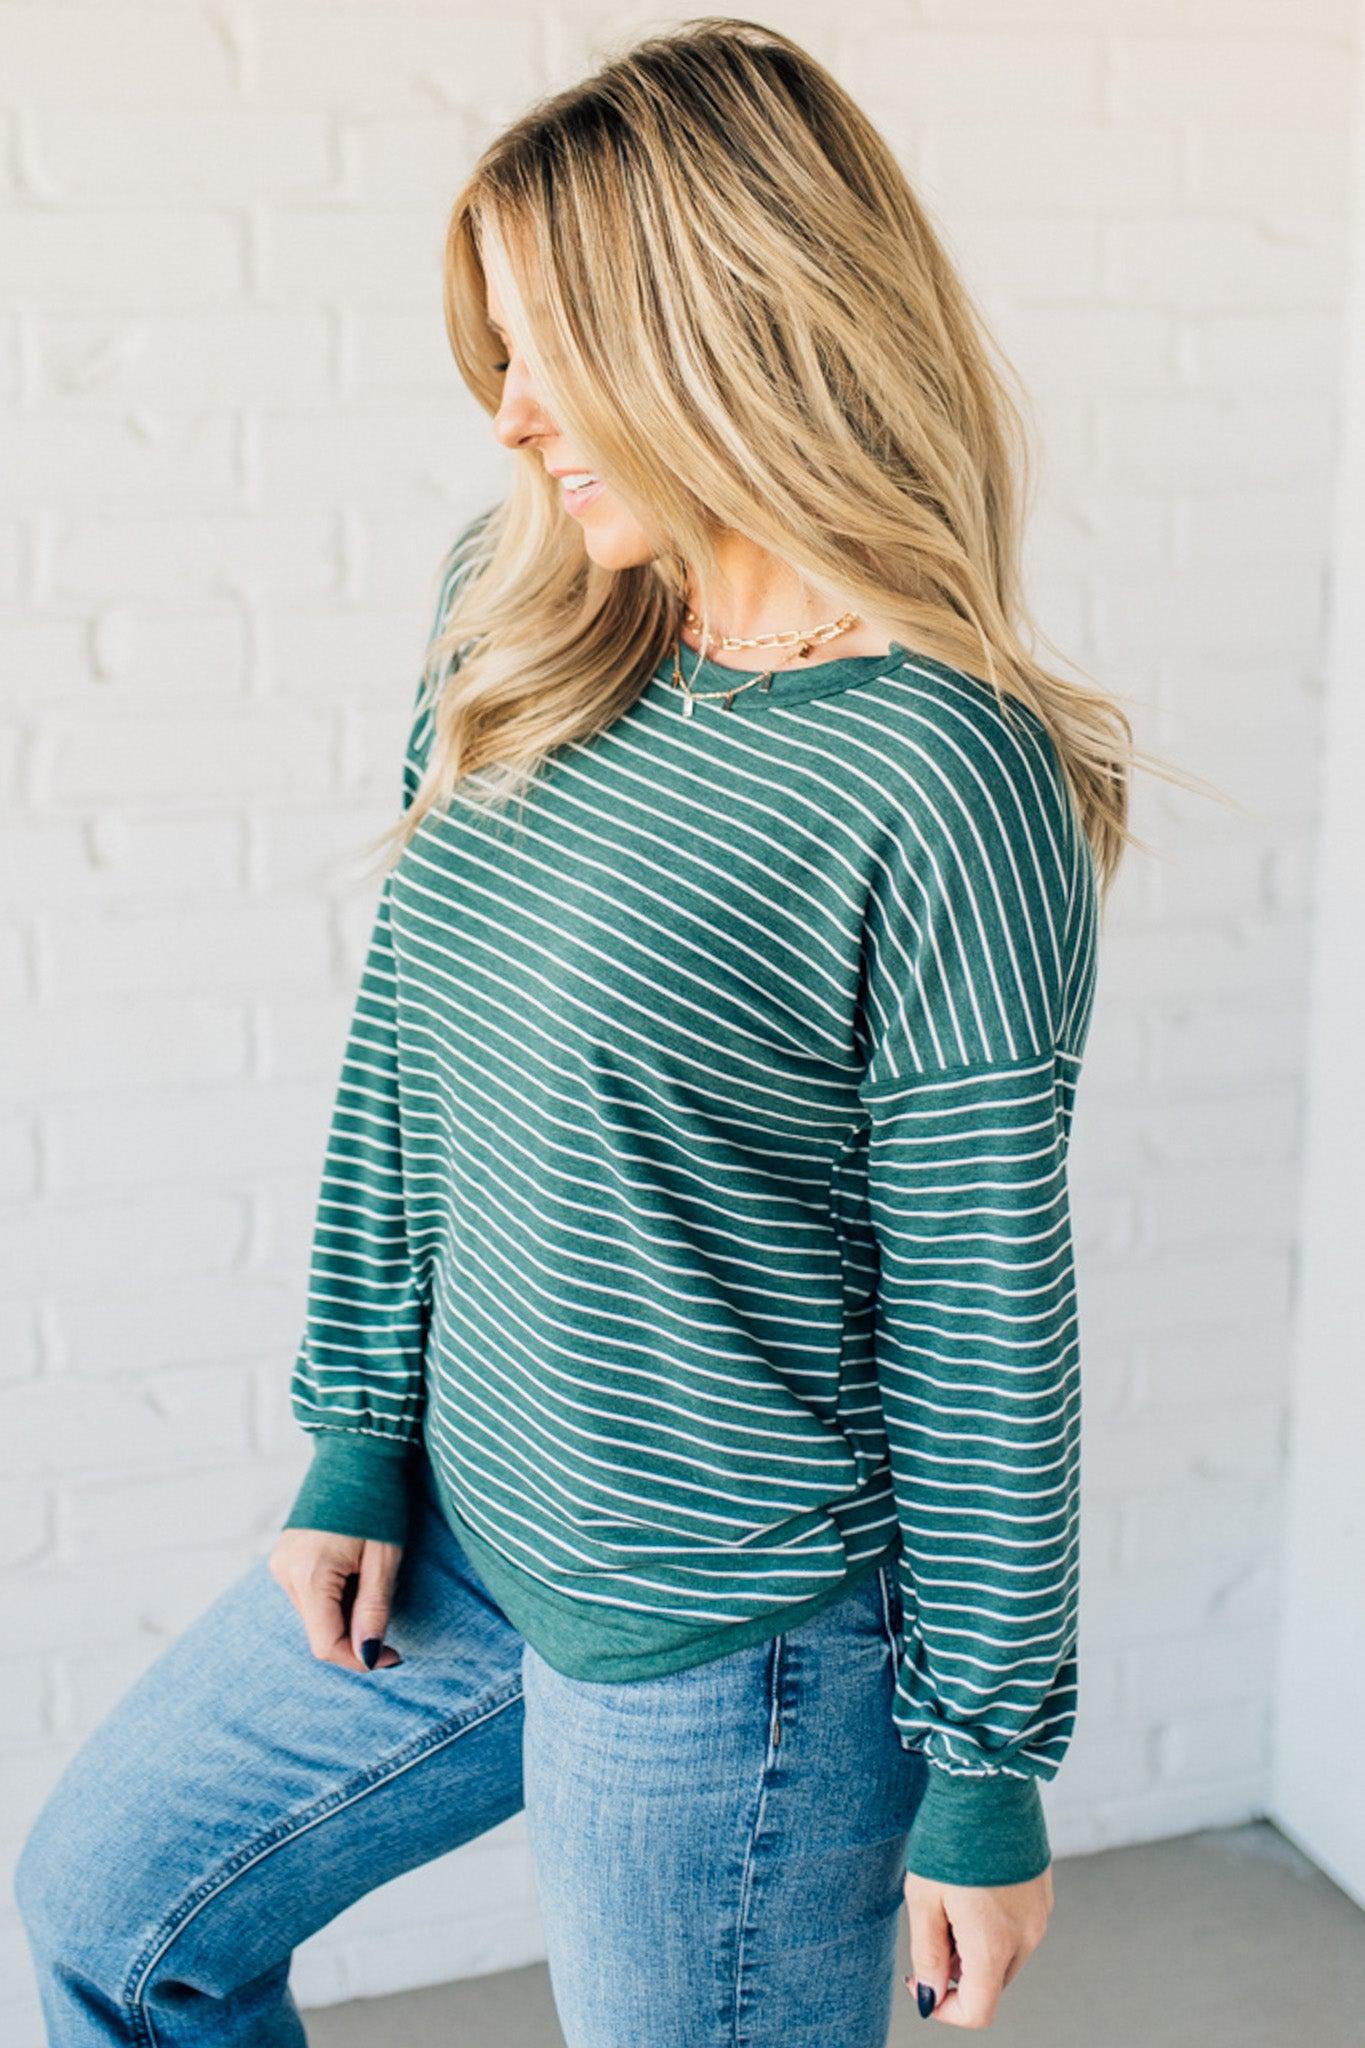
x: 234, y: 449
x: 1317, y: 1794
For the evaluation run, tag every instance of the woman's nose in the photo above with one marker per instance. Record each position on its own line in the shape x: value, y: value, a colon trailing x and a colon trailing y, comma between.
x: 519, y: 414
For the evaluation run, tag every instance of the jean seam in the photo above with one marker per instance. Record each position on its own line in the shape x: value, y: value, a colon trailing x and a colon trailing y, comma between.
x: 775, y: 1671
x: 285, y: 1831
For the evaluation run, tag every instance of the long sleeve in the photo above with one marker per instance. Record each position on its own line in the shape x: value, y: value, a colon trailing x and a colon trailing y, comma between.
x: 980, y: 954
x: 357, y: 1386
x: 358, y: 1383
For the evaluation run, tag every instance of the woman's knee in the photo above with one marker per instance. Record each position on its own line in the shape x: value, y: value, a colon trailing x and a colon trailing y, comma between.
x: 75, y: 1883
x: 108, y: 1853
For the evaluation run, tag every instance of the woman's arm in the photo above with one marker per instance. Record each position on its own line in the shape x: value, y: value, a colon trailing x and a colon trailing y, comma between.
x: 980, y: 965
x: 358, y: 1384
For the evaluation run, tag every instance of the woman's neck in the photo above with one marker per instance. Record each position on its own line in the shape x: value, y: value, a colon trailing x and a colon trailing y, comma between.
x: 757, y: 593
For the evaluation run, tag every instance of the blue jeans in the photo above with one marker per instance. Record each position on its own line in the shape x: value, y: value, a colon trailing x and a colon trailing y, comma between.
x: 718, y: 1853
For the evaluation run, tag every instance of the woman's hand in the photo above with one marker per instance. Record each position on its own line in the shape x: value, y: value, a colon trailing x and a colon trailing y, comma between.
x: 342, y: 1587
x: 980, y: 1934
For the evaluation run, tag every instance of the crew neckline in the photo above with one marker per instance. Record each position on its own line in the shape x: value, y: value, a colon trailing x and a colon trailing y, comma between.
x: 791, y: 686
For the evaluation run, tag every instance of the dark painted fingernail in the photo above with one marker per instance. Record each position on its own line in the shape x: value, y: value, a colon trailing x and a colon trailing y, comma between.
x: 370, y: 1649
x: 925, y: 1999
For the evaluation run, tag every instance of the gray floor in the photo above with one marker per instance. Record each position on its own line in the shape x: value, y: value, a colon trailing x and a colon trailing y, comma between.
x: 1225, y: 1939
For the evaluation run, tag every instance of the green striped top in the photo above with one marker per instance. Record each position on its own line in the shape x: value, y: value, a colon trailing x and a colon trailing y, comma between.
x: 696, y: 1201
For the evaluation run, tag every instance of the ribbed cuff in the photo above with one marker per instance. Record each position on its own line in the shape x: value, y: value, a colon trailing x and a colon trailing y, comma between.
x: 357, y: 1485
x: 978, y: 1831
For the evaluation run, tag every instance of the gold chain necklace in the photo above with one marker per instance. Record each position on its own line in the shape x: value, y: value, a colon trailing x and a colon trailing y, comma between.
x: 816, y: 634
x: 805, y: 642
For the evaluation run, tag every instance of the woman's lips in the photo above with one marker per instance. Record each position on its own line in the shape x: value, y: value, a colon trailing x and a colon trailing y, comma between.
x: 577, y: 500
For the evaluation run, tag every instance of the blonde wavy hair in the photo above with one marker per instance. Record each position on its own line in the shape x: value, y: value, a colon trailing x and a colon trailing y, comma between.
x: 733, y: 303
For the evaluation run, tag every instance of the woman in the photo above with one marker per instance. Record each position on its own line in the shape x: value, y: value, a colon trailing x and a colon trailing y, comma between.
x: 691, y: 1352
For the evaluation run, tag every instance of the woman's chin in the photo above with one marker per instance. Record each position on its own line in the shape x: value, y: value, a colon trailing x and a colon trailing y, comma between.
x: 615, y: 542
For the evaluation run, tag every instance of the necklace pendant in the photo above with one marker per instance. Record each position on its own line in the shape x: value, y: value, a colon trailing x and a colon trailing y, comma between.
x: 688, y: 702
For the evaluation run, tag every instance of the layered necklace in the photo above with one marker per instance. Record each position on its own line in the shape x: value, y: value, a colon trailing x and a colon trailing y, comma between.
x: 797, y: 644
